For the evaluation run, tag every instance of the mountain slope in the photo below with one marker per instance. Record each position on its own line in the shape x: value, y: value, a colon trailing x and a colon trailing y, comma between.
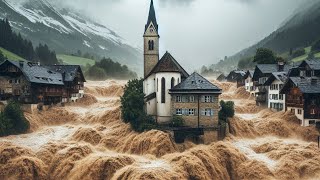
x: 66, y: 31
x: 298, y: 31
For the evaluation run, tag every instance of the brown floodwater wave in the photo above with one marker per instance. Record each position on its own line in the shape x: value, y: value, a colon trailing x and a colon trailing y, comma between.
x: 88, y: 140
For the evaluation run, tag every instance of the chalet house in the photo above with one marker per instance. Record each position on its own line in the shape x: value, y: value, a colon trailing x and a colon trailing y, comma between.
x: 303, y: 98
x: 31, y: 83
x: 73, y: 79
x: 221, y: 78
x: 276, y: 100
x: 237, y: 76
x: 171, y: 91
x: 261, y: 74
x: 309, y: 68
x: 249, y: 82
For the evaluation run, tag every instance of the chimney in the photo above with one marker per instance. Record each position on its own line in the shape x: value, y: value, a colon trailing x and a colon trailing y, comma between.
x: 21, y: 64
x: 281, y: 64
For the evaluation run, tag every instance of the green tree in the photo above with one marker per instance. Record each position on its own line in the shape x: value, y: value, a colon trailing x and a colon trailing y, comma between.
x: 316, y: 46
x: 298, y: 52
x: 96, y: 73
x: 12, y: 120
x: 177, y: 121
x: 246, y: 63
x: 132, y: 107
x: 2, y: 57
x: 227, y: 111
x: 264, y: 56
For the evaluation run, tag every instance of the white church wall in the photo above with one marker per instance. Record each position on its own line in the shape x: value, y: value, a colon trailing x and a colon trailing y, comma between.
x: 149, y: 85
x: 164, y: 109
x: 152, y: 107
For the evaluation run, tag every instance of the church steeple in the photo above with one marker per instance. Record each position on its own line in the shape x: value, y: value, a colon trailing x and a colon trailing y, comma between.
x: 152, y: 17
x: 151, y: 42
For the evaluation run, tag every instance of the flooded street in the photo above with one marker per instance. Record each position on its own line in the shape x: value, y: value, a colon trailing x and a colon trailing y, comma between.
x: 88, y: 140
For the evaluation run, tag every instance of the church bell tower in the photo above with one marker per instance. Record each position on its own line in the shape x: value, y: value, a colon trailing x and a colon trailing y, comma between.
x: 151, y: 42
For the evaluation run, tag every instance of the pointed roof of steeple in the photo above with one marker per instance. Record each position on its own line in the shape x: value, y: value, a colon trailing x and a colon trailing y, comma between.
x: 152, y: 17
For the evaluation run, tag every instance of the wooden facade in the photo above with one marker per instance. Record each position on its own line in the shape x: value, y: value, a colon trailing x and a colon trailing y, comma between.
x: 30, y: 83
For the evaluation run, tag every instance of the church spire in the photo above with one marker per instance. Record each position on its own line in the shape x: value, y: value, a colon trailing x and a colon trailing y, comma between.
x: 152, y: 17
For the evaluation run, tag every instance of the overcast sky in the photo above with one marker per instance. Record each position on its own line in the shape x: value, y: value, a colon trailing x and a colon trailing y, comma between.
x: 196, y: 32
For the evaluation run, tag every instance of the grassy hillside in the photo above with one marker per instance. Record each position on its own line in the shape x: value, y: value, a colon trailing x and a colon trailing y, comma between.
x: 301, y: 58
x: 10, y: 55
x: 74, y: 60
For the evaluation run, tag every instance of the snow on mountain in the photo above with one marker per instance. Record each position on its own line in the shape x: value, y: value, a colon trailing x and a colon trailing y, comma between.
x: 66, y: 31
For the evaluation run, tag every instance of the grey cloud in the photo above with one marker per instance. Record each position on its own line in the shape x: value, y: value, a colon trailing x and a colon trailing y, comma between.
x: 164, y: 3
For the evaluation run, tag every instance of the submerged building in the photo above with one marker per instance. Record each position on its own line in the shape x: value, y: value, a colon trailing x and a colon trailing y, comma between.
x: 170, y: 90
x: 30, y: 83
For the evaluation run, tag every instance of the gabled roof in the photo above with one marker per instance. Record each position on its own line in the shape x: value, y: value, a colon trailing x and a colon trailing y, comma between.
x: 69, y: 71
x: 248, y: 73
x: 37, y: 74
x: 236, y: 74
x: 221, y: 77
x: 152, y: 17
x: 313, y: 64
x: 270, y: 68
x: 281, y: 76
x: 168, y: 64
x: 196, y: 84
x: 307, y: 85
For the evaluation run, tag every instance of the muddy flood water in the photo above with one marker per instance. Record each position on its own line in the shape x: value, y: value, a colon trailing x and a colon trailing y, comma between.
x: 88, y: 140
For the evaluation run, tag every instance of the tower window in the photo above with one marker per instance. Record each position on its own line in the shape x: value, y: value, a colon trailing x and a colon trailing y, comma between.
x: 163, y: 90
x: 151, y: 45
x: 172, y: 82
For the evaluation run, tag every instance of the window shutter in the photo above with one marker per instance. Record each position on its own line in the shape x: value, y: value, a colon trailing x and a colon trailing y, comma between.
x: 212, y: 112
x: 202, y: 98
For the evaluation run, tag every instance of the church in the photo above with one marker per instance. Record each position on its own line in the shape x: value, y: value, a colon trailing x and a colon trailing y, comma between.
x: 170, y: 90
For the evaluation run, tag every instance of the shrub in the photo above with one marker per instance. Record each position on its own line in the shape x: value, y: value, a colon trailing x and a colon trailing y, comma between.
x: 227, y: 111
x: 299, y: 52
x: 177, y: 121
x: 12, y: 120
x: 132, y: 107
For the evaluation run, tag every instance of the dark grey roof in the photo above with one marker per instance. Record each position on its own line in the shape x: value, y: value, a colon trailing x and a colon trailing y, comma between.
x: 168, y: 64
x: 313, y: 64
x: 38, y: 74
x: 152, y: 17
x: 196, y: 82
x: 270, y: 68
x: 305, y: 84
x: 248, y: 73
x: 69, y: 71
x: 281, y: 76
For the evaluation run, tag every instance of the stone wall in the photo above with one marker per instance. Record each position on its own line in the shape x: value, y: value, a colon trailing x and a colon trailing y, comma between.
x: 205, y: 121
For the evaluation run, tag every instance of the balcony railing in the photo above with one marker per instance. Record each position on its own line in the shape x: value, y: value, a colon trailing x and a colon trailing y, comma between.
x: 295, y: 103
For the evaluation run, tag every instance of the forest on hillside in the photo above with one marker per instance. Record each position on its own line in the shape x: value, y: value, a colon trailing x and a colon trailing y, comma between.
x: 15, y: 43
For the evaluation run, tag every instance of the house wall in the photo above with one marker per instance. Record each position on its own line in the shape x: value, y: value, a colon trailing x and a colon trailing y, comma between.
x: 277, y: 100
x: 300, y: 116
x: 164, y: 114
x: 249, y: 85
x: 149, y: 85
x: 192, y: 120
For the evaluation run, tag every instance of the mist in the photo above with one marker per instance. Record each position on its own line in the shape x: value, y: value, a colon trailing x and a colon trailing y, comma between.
x: 195, y: 32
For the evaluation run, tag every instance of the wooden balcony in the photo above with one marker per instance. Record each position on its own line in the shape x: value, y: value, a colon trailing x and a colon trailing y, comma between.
x: 294, y: 103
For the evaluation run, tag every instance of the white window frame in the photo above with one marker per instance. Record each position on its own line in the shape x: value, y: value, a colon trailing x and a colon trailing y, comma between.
x: 208, y: 99
x: 191, y: 112
x: 179, y: 99
x: 179, y: 112
x: 191, y: 98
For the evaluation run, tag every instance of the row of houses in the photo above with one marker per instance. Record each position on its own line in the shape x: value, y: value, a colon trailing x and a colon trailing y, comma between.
x: 31, y: 83
x: 283, y: 87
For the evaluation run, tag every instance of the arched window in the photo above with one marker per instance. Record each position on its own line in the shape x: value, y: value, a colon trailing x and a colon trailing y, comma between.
x: 151, y: 45
x: 163, y: 90
x: 172, y: 82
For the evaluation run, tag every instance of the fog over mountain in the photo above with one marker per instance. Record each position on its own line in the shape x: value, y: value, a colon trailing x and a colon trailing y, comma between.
x: 196, y: 32
x: 193, y: 30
